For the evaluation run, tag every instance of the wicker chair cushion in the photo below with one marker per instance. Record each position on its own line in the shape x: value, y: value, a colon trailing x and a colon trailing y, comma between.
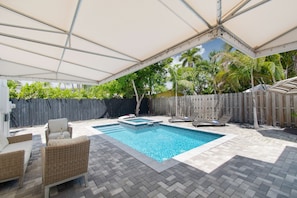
x: 3, y: 142
x: 58, y: 125
x: 25, y: 145
x: 59, y: 142
x: 57, y: 135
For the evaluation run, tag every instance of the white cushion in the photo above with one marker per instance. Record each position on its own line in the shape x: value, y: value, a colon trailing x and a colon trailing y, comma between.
x: 25, y: 145
x: 58, y: 142
x: 58, y: 125
x: 58, y: 135
x: 3, y: 142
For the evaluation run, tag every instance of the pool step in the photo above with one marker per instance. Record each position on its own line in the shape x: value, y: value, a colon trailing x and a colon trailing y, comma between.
x: 111, y: 128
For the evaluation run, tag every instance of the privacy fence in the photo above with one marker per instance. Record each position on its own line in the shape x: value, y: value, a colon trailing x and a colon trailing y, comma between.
x: 39, y: 111
x: 272, y: 108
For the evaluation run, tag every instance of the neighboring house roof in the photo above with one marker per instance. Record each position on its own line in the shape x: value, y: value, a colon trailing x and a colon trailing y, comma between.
x: 259, y: 87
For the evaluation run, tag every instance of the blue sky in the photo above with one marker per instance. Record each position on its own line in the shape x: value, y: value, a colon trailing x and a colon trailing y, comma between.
x: 214, y: 45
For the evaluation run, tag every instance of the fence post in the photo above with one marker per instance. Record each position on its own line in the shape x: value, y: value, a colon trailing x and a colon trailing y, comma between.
x: 287, y: 109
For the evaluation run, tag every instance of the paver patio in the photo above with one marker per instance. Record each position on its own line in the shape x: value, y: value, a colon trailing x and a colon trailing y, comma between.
x: 260, y: 163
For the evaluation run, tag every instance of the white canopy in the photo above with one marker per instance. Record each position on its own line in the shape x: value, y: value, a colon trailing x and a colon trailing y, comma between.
x: 95, y: 41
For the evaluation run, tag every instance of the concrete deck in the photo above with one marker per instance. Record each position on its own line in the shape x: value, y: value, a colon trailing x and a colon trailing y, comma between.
x: 252, y: 163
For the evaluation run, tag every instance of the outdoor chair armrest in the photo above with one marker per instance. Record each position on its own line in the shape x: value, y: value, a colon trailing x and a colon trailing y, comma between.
x: 70, y: 131
x: 12, y: 165
x: 19, y: 138
x: 46, y: 134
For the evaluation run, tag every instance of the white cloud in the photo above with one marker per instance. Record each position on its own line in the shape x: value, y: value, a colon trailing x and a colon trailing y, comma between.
x: 202, y: 49
x: 176, y: 59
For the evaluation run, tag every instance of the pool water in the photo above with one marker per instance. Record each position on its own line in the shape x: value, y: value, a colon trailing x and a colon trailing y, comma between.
x: 137, y: 120
x: 160, y: 142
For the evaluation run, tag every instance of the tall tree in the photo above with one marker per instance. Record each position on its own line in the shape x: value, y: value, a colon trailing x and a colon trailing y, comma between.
x: 289, y: 62
x: 190, y: 57
x: 144, y: 82
x: 235, y: 72
x: 213, y: 69
x: 242, y: 68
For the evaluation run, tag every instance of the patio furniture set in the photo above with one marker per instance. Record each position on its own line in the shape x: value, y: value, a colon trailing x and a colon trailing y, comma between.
x: 63, y: 158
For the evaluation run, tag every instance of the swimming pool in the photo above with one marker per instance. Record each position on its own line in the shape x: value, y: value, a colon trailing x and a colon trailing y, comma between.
x: 159, y: 142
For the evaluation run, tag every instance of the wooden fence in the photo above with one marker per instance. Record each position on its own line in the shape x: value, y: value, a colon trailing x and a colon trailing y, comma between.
x: 38, y: 111
x: 272, y: 108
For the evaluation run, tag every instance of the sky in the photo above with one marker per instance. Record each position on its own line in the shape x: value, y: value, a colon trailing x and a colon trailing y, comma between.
x: 214, y: 45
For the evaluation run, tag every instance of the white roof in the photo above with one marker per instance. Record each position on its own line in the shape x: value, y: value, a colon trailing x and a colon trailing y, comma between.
x: 95, y: 41
x: 259, y: 87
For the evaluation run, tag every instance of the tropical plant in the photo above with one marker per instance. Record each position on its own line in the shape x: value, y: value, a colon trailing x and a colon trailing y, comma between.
x: 289, y: 62
x: 144, y: 82
x: 105, y: 91
x: 33, y: 90
x: 243, y: 71
x: 190, y: 57
x: 12, y: 85
x: 236, y: 68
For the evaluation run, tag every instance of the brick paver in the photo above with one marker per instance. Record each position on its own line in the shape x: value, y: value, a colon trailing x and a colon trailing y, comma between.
x: 257, y: 165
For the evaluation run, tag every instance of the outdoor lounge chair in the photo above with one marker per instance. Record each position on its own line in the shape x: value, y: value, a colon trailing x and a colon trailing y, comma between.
x: 15, y: 154
x: 57, y: 129
x: 183, y: 119
x: 220, y: 122
x: 64, y: 160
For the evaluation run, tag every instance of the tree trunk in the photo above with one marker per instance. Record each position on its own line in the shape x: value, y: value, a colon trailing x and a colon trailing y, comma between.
x: 256, y: 125
x: 138, y: 99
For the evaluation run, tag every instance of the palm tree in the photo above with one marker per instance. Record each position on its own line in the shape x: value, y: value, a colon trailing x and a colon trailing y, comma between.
x: 190, y: 57
x: 288, y: 60
x: 242, y: 69
x: 173, y: 77
x: 213, y: 69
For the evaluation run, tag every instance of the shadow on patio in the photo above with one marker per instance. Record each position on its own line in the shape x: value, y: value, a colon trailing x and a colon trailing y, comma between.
x: 114, y: 173
x: 287, y: 134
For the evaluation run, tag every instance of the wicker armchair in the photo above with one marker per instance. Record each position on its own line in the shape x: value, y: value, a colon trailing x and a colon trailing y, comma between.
x: 14, y: 158
x: 56, y: 128
x: 64, y: 160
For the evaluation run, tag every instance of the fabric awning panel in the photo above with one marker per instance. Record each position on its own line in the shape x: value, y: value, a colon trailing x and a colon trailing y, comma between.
x: 93, y: 42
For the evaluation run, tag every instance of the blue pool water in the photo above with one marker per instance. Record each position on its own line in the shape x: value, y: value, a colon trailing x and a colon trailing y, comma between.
x: 137, y: 120
x: 160, y: 142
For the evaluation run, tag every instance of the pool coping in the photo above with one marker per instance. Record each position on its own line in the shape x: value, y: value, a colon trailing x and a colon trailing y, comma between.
x: 161, y: 166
